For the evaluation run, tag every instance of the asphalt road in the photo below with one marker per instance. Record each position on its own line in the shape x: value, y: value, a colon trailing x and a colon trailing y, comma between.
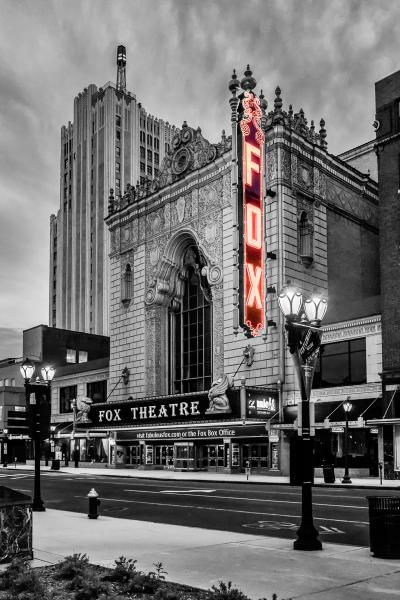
x: 340, y: 514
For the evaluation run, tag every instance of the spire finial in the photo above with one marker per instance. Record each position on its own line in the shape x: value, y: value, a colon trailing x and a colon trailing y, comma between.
x: 322, y: 134
x: 278, y: 100
x: 234, y: 83
x: 248, y: 82
x: 263, y: 102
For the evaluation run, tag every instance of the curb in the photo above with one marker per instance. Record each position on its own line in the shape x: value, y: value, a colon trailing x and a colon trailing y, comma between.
x: 219, y: 481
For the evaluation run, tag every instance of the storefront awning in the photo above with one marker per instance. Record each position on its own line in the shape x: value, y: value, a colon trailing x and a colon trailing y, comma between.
x: 332, y: 413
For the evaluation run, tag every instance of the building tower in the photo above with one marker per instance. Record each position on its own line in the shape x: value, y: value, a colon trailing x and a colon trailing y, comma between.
x: 112, y: 141
x: 387, y: 145
x: 121, y: 71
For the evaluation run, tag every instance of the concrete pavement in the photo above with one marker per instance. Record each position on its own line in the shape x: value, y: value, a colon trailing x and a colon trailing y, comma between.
x: 258, y: 565
x: 370, y: 482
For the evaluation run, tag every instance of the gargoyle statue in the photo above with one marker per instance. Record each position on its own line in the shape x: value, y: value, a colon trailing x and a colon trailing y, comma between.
x: 219, y: 402
x: 83, y: 405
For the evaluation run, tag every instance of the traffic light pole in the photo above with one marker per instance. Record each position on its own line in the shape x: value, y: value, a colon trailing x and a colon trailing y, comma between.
x: 35, y: 407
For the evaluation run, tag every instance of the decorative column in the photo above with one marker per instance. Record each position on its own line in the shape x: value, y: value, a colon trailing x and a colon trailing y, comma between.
x: 234, y: 85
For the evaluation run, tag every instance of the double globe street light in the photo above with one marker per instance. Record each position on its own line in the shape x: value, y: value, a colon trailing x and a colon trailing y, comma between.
x: 347, y: 406
x: 37, y: 393
x: 303, y: 323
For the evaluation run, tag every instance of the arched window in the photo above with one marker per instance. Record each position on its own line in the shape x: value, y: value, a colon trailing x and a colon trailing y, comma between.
x: 305, y: 239
x: 127, y: 284
x: 191, y: 331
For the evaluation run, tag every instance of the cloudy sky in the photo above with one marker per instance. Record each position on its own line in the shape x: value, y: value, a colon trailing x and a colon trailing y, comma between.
x: 324, y: 54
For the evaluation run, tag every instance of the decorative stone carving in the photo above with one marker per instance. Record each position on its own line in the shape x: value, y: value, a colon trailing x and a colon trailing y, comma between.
x: 219, y: 402
x: 180, y: 208
x: 155, y: 223
x: 154, y: 255
x: 285, y: 165
x: 305, y: 176
x: 294, y: 170
x: 213, y: 274
x: 319, y: 184
x: 271, y: 166
x: 210, y: 232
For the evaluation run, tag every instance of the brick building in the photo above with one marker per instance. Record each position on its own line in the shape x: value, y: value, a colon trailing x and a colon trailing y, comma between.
x: 387, y: 146
x: 174, y: 311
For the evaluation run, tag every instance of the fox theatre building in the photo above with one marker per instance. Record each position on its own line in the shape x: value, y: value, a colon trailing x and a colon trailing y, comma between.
x: 193, y: 369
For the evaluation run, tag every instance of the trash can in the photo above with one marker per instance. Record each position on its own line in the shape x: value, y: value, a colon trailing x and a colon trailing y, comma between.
x: 329, y: 473
x: 55, y: 464
x: 384, y: 526
x: 15, y: 525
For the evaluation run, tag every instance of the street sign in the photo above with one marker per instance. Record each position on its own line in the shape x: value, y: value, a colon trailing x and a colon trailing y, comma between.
x: 337, y: 429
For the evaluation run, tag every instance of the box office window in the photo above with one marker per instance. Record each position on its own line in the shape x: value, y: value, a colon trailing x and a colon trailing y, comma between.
x: 341, y: 363
x: 67, y: 394
x: 97, y: 391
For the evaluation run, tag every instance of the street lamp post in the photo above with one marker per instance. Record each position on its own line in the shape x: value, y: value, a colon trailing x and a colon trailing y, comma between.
x: 347, y: 408
x: 303, y: 322
x: 5, y: 448
x: 33, y: 395
x: 52, y: 445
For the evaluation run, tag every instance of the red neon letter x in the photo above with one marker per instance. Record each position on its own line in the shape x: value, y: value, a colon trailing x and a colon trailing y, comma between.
x: 254, y: 295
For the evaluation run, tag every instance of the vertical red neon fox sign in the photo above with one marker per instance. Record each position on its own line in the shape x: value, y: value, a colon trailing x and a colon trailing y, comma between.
x: 253, y: 287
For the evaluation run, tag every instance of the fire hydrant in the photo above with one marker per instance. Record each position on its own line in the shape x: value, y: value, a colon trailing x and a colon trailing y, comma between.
x: 94, y: 503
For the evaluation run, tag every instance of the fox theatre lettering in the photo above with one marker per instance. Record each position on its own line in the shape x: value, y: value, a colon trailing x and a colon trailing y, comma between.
x: 251, y: 218
x: 157, y: 412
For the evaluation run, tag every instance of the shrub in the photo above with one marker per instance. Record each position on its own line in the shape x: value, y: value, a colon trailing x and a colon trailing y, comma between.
x: 164, y: 594
x: 225, y: 591
x: 22, y: 583
x: 124, y: 570
x: 89, y: 587
x: 160, y: 572
x: 140, y: 583
x: 72, y: 566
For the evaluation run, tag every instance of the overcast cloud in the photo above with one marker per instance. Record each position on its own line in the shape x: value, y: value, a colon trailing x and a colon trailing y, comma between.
x: 324, y: 54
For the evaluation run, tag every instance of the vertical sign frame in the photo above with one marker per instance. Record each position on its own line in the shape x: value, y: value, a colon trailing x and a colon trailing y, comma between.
x: 251, y: 217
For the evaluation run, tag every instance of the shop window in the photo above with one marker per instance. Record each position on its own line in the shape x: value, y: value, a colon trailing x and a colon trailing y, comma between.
x: 127, y: 284
x: 71, y: 355
x: 97, y: 391
x: 341, y: 363
x: 305, y: 239
x: 191, y: 328
x: 67, y: 395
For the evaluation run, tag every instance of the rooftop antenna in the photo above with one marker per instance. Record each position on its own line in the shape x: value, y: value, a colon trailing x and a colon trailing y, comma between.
x: 121, y: 64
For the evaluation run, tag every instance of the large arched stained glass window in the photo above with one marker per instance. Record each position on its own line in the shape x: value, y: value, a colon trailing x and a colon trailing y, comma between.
x: 191, y: 331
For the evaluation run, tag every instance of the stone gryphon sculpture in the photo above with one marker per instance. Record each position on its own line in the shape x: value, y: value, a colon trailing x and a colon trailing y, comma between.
x: 83, y: 405
x: 219, y: 402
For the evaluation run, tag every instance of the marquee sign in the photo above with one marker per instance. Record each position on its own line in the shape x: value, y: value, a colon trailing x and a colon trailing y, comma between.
x: 251, y: 217
x: 170, y: 409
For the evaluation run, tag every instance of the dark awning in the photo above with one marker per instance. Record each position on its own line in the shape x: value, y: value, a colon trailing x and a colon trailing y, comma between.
x: 366, y: 408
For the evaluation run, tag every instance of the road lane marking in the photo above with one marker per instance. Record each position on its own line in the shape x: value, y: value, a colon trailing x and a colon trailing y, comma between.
x: 246, y: 512
x: 291, y: 526
x: 180, y: 491
x: 254, y: 499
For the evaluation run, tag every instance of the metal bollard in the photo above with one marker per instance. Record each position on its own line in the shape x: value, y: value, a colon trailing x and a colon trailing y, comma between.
x: 94, y: 503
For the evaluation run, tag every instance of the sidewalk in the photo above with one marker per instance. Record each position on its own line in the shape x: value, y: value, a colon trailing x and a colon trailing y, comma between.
x: 258, y: 565
x: 369, y: 483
